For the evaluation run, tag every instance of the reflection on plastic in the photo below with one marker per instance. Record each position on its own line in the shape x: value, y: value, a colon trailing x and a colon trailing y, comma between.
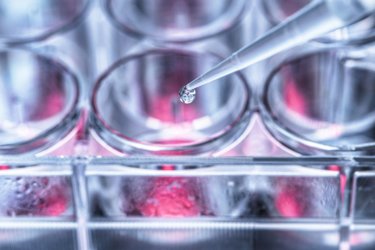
x: 37, y: 196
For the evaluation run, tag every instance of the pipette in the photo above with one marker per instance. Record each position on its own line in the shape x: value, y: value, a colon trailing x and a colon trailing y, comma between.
x: 316, y: 19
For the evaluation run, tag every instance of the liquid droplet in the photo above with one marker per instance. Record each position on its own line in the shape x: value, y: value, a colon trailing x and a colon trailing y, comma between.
x: 187, y: 95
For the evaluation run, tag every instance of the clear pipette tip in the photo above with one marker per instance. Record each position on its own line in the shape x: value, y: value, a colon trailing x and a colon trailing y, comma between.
x: 319, y: 17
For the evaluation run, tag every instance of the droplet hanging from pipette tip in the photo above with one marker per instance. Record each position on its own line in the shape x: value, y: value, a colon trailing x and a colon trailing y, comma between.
x: 187, y: 95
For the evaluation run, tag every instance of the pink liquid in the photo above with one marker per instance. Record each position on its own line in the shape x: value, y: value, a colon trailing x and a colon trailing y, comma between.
x: 37, y: 197
x: 171, y: 197
x: 4, y: 167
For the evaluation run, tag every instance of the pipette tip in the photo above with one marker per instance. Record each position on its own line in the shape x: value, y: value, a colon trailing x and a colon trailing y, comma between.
x: 195, y: 84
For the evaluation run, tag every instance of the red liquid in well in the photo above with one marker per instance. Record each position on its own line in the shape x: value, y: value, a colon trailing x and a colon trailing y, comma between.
x: 287, y: 200
x: 55, y: 204
x: 342, y: 179
x: 4, y: 167
x: 288, y: 206
x: 52, y: 94
x: 169, y: 109
x: 37, y: 197
x: 166, y: 197
x: 171, y: 197
x: 294, y: 100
